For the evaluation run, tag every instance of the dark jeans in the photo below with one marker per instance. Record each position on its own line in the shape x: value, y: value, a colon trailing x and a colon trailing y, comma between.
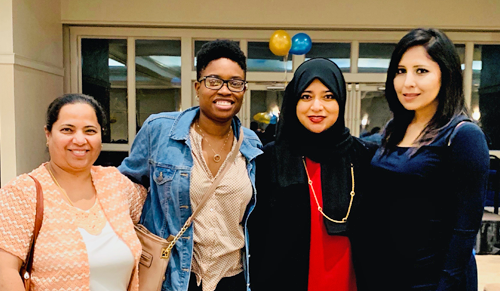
x: 234, y: 283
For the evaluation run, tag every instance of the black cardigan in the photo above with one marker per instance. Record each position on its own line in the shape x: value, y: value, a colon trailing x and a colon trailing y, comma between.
x: 280, y: 225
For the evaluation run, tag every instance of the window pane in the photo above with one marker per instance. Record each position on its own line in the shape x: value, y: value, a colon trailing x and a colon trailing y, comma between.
x: 374, y: 57
x: 104, y: 77
x: 265, y: 104
x: 157, y: 77
x: 197, y: 47
x: 340, y: 53
x: 261, y: 59
x: 461, y: 53
x: 485, y: 103
x: 375, y: 111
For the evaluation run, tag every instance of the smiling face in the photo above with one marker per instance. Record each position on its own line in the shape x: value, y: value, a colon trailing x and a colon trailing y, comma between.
x: 220, y: 105
x: 75, y: 139
x: 417, y: 81
x: 317, y: 109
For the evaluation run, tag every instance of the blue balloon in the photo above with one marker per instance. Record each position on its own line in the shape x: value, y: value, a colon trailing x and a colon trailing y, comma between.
x: 301, y: 44
x: 274, y: 119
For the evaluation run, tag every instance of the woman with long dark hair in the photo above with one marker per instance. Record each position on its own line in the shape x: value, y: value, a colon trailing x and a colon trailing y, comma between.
x: 431, y: 172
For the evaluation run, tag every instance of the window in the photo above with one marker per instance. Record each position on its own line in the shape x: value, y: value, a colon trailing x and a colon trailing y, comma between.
x: 157, y: 77
x: 374, y: 57
x: 261, y: 59
x: 485, y: 101
x: 104, y: 77
x: 340, y: 53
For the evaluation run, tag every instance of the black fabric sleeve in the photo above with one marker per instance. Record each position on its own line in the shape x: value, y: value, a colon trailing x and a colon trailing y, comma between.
x: 259, y: 220
x: 469, y: 164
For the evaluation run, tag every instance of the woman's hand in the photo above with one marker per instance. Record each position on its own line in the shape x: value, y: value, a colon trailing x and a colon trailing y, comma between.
x: 10, y: 280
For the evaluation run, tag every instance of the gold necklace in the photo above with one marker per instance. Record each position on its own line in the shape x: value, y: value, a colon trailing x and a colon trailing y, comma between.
x: 217, y: 156
x: 309, y: 181
x: 60, y: 188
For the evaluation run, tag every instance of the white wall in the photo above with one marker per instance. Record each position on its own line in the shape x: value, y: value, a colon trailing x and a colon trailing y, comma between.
x: 7, y: 130
x: 31, y: 76
x: 6, y: 44
x: 392, y: 14
x: 31, y: 102
x: 6, y: 85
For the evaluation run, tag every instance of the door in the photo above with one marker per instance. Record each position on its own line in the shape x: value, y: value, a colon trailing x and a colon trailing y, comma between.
x: 261, y: 108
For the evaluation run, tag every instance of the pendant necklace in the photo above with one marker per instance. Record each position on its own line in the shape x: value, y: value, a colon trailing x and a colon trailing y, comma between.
x: 217, y: 157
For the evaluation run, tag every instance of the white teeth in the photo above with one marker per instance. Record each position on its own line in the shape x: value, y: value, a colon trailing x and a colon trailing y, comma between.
x: 223, y: 102
x: 79, y: 152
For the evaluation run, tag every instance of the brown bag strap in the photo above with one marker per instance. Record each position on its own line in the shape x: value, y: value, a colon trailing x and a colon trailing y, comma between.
x: 28, y: 264
x: 210, y: 190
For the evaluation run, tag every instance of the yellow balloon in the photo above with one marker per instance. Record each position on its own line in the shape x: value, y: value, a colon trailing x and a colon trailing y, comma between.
x: 280, y: 43
x: 262, y: 117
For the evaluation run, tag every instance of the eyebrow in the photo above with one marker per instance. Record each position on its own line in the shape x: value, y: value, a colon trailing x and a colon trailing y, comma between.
x: 232, y: 78
x: 401, y: 66
x: 71, y: 125
x: 309, y: 91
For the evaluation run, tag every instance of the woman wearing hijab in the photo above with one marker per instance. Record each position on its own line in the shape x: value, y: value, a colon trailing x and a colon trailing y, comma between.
x: 310, y: 182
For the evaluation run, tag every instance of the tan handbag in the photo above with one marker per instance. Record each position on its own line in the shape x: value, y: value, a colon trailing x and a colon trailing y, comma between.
x: 26, y: 268
x: 156, y: 250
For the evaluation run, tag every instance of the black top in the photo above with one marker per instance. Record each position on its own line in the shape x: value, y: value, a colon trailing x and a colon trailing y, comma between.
x: 426, y: 209
x: 280, y: 225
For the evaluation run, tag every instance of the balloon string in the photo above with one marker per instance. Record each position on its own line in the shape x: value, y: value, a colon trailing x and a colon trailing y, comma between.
x: 285, y: 61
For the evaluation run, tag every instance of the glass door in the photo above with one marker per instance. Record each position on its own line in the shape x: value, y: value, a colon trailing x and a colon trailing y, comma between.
x: 261, y: 108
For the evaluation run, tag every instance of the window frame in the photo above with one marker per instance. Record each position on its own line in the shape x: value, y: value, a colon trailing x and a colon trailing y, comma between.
x: 74, y: 34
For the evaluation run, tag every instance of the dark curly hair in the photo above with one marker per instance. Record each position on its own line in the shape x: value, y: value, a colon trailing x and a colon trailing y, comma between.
x: 59, y: 102
x: 450, y: 97
x: 220, y: 48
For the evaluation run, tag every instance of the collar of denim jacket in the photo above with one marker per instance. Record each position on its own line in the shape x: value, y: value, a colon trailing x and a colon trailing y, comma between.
x: 250, y: 148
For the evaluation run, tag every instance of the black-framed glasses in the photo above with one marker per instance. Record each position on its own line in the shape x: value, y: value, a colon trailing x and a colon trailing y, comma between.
x: 215, y: 83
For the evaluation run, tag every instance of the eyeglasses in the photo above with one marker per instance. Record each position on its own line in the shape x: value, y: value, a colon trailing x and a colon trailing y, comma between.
x: 215, y: 83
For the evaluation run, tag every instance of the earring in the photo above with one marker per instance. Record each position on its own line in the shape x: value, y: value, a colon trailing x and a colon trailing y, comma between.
x: 197, y: 98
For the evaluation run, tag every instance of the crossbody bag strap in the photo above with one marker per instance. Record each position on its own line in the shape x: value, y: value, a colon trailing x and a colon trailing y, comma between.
x: 28, y: 264
x: 211, y: 190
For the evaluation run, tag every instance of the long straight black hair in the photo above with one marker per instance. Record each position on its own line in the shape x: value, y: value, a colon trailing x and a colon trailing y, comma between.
x: 450, y: 97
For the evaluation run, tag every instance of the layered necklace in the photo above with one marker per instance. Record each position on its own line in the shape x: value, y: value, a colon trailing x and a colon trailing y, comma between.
x: 217, y: 157
x: 310, y: 182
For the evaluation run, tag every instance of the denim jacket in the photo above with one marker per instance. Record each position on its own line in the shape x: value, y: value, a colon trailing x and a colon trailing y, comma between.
x: 161, y: 159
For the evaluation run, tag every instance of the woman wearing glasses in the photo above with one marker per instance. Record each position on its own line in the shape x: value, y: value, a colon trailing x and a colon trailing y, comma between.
x: 178, y: 156
x: 310, y: 181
